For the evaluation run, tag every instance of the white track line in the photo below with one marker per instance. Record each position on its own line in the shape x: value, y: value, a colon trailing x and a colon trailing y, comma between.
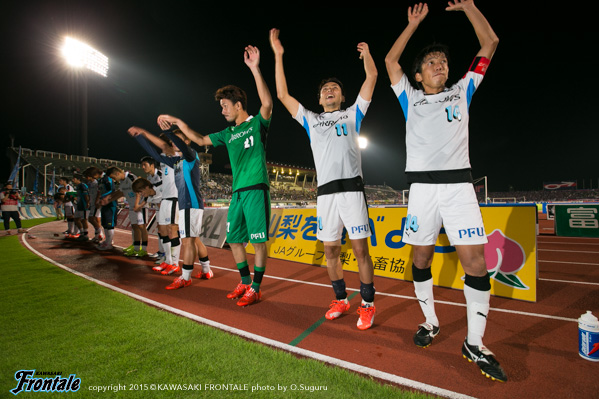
x: 567, y: 263
x: 568, y: 243
x: 267, y: 341
x: 328, y: 286
x: 566, y: 250
x: 551, y: 238
x: 568, y: 281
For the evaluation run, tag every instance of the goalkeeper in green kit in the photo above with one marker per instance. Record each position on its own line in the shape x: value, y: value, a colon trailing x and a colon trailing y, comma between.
x: 249, y: 212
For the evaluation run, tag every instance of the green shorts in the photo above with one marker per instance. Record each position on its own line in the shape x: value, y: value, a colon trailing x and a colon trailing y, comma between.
x: 249, y: 216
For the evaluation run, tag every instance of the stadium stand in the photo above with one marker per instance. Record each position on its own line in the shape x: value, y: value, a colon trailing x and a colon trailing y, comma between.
x: 290, y: 185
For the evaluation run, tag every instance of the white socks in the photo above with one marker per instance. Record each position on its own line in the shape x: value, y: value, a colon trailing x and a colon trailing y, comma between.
x: 424, y: 293
x: 477, y: 305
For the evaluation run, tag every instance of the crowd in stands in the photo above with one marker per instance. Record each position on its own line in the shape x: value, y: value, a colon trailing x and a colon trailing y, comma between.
x: 545, y: 195
x: 219, y: 188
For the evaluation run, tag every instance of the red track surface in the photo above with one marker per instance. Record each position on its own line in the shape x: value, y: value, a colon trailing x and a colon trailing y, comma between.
x: 536, y: 343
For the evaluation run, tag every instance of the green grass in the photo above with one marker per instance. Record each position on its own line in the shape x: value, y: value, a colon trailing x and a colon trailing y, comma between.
x: 57, y: 322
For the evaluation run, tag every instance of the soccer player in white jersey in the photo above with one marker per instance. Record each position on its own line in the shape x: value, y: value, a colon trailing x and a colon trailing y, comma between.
x: 136, y: 218
x: 438, y: 169
x: 168, y: 216
x: 149, y: 166
x: 341, y: 201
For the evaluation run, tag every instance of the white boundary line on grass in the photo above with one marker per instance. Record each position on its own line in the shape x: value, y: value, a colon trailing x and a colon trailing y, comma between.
x: 267, y: 341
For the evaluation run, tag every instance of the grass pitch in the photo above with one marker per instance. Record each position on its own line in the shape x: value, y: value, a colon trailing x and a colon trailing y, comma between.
x: 54, y: 321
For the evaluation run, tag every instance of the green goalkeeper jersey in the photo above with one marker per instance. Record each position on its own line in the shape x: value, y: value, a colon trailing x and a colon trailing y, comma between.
x: 246, y: 144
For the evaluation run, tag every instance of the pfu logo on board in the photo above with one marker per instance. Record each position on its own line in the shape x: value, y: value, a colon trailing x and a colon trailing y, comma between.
x: 30, y: 381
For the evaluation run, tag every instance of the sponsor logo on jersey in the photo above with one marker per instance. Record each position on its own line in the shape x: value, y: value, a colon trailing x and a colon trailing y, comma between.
x: 329, y: 123
x: 240, y: 134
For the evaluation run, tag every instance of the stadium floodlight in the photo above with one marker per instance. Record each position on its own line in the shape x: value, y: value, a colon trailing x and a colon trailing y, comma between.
x: 81, y: 55
x: 362, y: 142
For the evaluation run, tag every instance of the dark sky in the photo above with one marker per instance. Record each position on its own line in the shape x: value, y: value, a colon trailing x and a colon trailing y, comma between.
x: 530, y: 121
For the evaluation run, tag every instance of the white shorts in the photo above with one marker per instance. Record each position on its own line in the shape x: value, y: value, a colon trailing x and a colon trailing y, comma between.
x: 190, y: 222
x: 93, y: 212
x: 452, y: 206
x: 137, y: 217
x: 334, y: 211
x: 168, y: 212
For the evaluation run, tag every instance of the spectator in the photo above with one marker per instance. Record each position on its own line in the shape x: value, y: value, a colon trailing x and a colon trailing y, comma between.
x: 9, y: 198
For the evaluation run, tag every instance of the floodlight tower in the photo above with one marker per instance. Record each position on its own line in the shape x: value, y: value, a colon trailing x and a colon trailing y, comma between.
x: 80, y: 55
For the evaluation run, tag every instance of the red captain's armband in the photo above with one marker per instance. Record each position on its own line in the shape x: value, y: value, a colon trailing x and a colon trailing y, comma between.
x: 480, y: 65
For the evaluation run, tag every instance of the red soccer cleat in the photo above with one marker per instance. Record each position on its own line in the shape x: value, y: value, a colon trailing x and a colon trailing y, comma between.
x: 238, y: 291
x: 170, y: 269
x: 366, y: 316
x: 249, y: 297
x: 205, y: 276
x: 178, y: 283
x: 337, y: 308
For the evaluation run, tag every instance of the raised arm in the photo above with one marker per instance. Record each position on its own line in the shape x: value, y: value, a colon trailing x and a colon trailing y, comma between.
x: 251, y: 57
x: 288, y: 101
x: 165, y: 122
x: 486, y: 36
x: 135, y: 131
x: 187, y: 152
x: 371, y: 72
x: 146, y: 139
x: 415, y: 16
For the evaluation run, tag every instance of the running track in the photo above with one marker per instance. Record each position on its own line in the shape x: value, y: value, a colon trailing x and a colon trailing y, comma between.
x: 536, y: 343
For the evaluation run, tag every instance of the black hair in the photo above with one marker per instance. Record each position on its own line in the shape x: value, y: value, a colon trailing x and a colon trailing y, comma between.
x: 431, y: 48
x: 113, y: 169
x: 329, y: 80
x: 149, y: 160
x: 140, y: 183
x: 233, y: 93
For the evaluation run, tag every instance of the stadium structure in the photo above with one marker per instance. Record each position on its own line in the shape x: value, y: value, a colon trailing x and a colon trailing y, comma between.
x: 291, y: 185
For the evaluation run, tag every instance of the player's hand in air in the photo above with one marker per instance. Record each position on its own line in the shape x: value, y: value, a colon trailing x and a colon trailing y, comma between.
x: 417, y: 13
x: 363, y: 49
x: 251, y: 56
x: 135, y: 131
x: 459, y: 5
x: 275, y: 43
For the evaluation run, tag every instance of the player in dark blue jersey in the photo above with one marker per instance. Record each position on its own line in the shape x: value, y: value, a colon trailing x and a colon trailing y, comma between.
x: 82, y: 206
x: 107, y: 190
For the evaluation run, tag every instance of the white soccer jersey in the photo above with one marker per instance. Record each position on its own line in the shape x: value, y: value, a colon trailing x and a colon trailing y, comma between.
x: 127, y: 189
x: 156, y: 180
x: 334, y: 140
x: 168, y: 188
x: 437, y: 124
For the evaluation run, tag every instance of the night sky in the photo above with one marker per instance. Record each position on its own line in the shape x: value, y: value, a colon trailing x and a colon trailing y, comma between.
x: 531, y: 118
